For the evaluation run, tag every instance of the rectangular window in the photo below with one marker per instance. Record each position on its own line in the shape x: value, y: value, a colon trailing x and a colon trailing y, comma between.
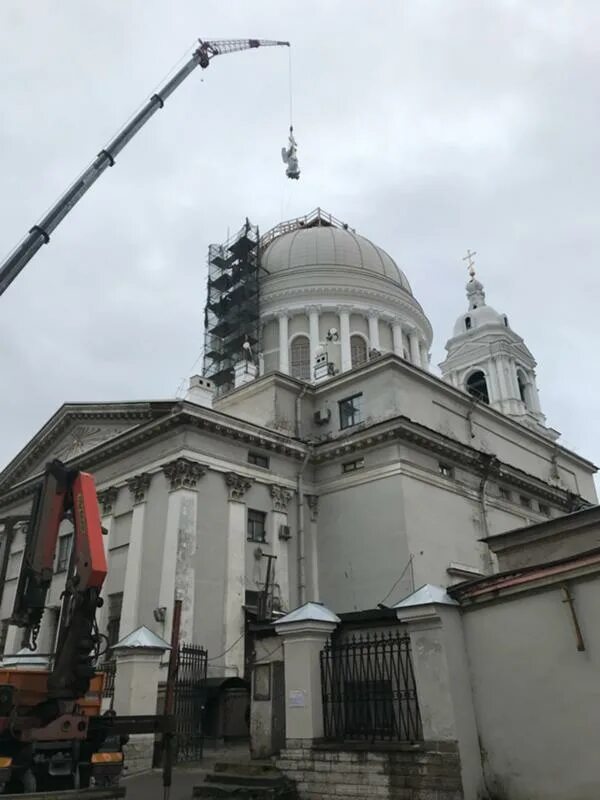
x: 544, y: 509
x: 14, y: 565
x: 525, y: 501
x: 64, y: 553
x: 351, y: 411
x: 258, y: 460
x: 256, y: 525
x: 504, y: 493
x: 446, y: 470
x: 352, y: 466
x: 115, y: 604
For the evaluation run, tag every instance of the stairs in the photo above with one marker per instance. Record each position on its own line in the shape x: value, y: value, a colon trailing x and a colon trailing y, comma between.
x: 245, y: 781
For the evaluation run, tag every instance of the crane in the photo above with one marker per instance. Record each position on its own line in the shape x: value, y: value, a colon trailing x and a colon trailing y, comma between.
x: 40, y: 233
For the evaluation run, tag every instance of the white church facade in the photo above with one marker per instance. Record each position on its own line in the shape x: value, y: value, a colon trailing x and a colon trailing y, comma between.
x: 365, y: 480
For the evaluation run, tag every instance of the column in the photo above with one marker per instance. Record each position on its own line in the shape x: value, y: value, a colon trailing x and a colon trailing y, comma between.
x: 281, y: 496
x: 313, y: 327
x: 346, y: 356
x: 413, y: 342
x: 533, y: 393
x: 107, y: 500
x: 138, y: 486
x: 304, y: 632
x: 374, y: 329
x: 397, y: 338
x: 504, y: 392
x: 424, y: 354
x: 284, y: 356
x: 178, y: 575
x: 512, y: 374
x: 235, y: 575
x: 312, y: 501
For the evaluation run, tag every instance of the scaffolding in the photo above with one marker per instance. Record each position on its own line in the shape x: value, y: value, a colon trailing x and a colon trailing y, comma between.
x: 231, y: 317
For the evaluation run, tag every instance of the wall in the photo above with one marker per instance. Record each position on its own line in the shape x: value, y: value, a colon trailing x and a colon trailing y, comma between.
x: 537, y: 699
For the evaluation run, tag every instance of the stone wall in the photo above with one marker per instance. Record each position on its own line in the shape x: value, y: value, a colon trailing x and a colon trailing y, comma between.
x: 138, y: 753
x: 426, y: 771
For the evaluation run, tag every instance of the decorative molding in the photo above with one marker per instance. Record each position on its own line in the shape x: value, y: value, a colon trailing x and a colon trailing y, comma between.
x: 312, y: 500
x: 238, y: 485
x: 183, y: 473
x: 107, y: 499
x: 138, y: 486
x: 281, y: 496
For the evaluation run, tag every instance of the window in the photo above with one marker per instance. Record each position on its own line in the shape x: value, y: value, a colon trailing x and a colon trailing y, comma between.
x: 525, y: 501
x: 115, y: 604
x: 258, y: 460
x: 506, y: 321
x: 446, y: 470
x: 477, y: 387
x: 256, y: 525
x: 300, y: 360
x: 14, y: 565
x: 504, y: 493
x: 350, y: 411
x: 358, y: 350
x: 468, y: 323
x: 64, y: 553
x: 544, y: 509
x: 352, y: 466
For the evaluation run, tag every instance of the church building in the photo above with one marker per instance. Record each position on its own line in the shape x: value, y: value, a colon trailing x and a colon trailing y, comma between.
x: 318, y: 446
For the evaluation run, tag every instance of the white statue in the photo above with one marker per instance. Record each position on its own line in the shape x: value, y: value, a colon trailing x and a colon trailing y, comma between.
x: 290, y: 158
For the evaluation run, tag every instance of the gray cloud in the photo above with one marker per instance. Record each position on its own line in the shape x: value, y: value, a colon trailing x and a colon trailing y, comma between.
x: 430, y: 127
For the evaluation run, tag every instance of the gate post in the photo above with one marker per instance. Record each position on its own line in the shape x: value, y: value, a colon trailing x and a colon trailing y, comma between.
x: 138, y: 659
x: 304, y: 632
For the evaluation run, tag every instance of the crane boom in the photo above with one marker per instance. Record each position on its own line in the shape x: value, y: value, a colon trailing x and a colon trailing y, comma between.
x: 39, y: 234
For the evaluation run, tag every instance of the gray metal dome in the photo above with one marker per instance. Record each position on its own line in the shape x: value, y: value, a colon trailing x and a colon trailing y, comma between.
x: 329, y: 246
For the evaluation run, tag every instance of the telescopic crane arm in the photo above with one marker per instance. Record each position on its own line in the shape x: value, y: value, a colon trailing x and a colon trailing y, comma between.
x: 40, y: 233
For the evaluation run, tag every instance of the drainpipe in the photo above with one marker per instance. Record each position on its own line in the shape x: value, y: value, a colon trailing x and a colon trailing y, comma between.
x: 300, y: 503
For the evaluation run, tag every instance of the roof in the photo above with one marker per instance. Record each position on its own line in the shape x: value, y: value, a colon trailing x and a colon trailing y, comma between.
x: 142, y: 637
x: 309, y: 612
x: 426, y: 594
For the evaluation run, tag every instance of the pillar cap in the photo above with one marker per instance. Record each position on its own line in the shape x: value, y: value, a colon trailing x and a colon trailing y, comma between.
x: 310, y: 616
x: 141, y: 639
x: 426, y: 594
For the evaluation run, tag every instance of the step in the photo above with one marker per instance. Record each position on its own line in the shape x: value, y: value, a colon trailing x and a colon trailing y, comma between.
x: 264, y: 781
x: 246, y: 768
x: 229, y: 791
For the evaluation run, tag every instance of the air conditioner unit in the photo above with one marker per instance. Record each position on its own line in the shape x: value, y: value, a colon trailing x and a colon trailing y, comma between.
x: 285, y: 532
x: 322, y: 416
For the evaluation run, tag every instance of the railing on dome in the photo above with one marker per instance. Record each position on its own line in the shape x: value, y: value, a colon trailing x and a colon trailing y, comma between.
x: 312, y: 220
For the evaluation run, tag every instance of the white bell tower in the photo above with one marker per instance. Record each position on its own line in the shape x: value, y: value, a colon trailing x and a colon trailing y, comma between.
x: 489, y: 361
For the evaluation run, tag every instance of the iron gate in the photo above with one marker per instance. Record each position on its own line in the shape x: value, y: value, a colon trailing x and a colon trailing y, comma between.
x: 189, y: 702
x: 369, y: 689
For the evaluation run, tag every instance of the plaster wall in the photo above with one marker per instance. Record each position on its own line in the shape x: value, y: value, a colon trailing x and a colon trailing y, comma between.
x: 537, y: 698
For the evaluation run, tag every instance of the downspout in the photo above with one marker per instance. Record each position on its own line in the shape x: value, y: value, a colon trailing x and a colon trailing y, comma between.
x: 300, y: 503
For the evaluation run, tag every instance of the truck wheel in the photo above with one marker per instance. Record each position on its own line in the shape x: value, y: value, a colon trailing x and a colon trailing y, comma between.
x: 29, y: 782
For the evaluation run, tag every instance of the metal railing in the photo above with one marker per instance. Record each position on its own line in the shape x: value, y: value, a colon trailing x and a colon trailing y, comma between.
x: 369, y: 690
x: 109, y: 668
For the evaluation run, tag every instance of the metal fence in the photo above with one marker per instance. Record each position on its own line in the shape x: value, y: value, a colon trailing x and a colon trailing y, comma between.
x: 369, y: 690
x: 109, y: 668
x: 189, y: 702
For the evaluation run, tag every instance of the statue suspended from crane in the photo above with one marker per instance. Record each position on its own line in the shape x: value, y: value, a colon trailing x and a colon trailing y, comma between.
x: 289, y: 156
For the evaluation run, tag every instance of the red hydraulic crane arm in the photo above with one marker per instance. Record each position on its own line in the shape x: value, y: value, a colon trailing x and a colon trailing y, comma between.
x: 39, y: 234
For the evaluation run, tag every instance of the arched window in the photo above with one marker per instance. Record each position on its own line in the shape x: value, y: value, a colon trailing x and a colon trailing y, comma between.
x: 468, y: 323
x: 300, y: 358
x: 477, y: 386
x: 358, y: 350
x: 524, y: 388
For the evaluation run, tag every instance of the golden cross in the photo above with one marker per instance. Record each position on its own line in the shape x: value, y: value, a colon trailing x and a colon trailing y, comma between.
x: 470, y: 263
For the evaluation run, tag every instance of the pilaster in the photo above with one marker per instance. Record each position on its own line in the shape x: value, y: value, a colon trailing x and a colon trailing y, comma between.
x: 397, y: 338
x: 138, y: 486
x: 345, y: 351
x: 313, y: 323
x: 373, y: 318
x: 312, y: 502
x: 280, y: 497
x: 284, y: 355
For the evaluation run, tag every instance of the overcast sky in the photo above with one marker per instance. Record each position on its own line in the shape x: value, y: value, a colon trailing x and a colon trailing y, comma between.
x: 429, y: 126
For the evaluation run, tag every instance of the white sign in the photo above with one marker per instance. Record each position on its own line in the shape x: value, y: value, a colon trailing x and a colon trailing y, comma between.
x: 297, y: 698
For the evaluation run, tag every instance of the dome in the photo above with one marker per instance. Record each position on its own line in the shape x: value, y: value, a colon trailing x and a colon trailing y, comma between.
x: 482, y: 315
x: 329, y: 246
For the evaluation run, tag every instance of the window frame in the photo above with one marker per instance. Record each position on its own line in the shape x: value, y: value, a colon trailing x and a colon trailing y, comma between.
x: 363, y: 342
x: 261, y: 519
x: 358, y: 412
x: 445, y: 470
x: 305, y: 366
x: 352, y: 466
x: 505, y: 494
x: 63, y: 558
x: 112, y: 618
x: 255, y: 458
x: 525, y: 501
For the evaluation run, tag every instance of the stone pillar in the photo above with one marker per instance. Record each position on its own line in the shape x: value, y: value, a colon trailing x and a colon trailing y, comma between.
x: 346, y: 355
x: 281, y: 496
x: 284, y: 355
x: 313, y: 323
x: 397, y: 338
x: 235, y: 575
x: 439, y: 656
x: 107, y: 500
x: 177, y: 580
x: 413, y: 342
x: 374, y: 329
x: 138, y: 486
x: 136, y: 689
x: 304, y: 632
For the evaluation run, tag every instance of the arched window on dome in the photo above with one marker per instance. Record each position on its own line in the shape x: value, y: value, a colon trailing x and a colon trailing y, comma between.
x: 477, y: 386
x: 300, y: 358
x: 468, y: 323
x: 358, y: 350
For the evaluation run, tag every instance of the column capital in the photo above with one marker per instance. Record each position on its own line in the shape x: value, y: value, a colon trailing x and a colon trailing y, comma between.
x: 372, y: 313
x: 182, y: 473
x: 282, y: 313
x: 343, y: 309
x: 312, y: 309
x: 312, y: 500
x: 107, y: 499
x: 410, y: 329
x: 281, y: 496
x: 138, y: 486
x: 238, y: 485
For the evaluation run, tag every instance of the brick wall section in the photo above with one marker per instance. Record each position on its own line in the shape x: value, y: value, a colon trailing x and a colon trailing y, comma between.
x: 428, y: 771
